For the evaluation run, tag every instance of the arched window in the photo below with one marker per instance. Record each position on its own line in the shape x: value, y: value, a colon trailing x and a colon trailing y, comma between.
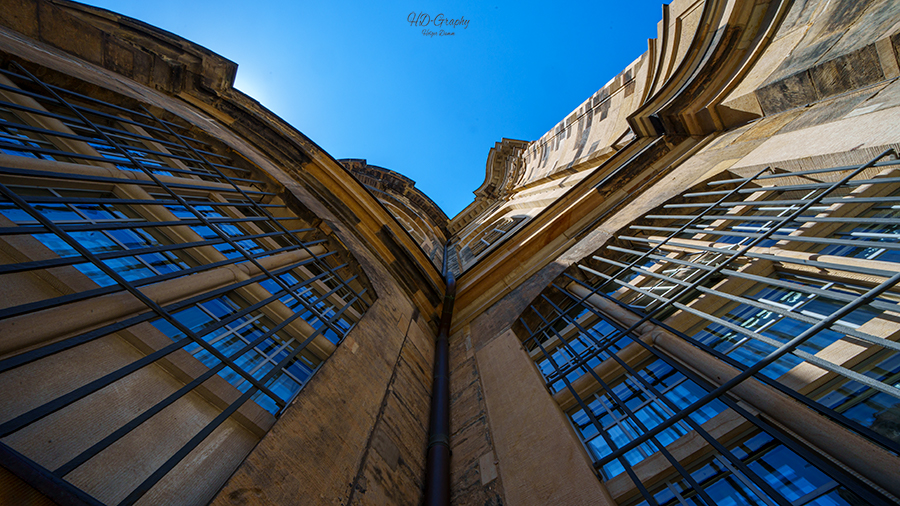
x: 161, y: 303
x: 782, y: 280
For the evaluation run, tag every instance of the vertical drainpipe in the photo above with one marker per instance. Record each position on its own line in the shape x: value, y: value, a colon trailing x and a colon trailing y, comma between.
x: 437, y: 463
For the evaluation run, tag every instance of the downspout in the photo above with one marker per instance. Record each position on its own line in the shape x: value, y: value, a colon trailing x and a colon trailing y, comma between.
x: 437, y: 462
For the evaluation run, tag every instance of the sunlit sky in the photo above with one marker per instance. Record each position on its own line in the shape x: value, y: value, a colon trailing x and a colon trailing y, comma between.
x: 362, y: 82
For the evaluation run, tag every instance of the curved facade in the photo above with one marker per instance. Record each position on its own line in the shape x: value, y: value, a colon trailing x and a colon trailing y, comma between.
x: 683, y: 293
x: 419, y: 216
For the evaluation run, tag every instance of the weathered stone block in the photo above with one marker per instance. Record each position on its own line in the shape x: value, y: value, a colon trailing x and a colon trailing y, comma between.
x: 793, y: 91
x: 63, y: 30
x: 848, y: 72
x: 21, y: 15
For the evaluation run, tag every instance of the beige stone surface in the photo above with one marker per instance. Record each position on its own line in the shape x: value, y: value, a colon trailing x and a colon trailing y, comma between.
x: 526, y: 422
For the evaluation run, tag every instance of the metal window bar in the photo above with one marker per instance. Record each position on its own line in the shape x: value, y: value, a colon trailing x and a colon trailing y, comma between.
x: 842, y: 476
x: 45, y: 351
x: 112, y: 132
x: 806, y: 356
x: 261, y: 210
x: 851, y: 331
x: 96, y: 292
x: 811, y: 202
x: 106, y: 159
x: 655, y: 248
x: 58, y: 262
x: 768, y: 235
x: 858, y: 301
x: 851, y: 424
x: 655, y: 395
x: 735, y: 254
x: 80, y: 97
x: 115, y: 180
x: 671, y: 408
x: 129, y: 224
x: 109, y: 131
x: 304, y: 299
x: 49, y: 99
x: 181, y: 201
x: 589, y: 413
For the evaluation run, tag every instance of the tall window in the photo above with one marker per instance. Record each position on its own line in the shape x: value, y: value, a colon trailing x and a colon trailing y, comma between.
x: 738, y: 271
x: 168, y: 304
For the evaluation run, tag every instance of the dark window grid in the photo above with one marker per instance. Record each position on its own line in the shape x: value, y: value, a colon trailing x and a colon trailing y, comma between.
x: 543, y: 332
x: 883, y: 365
x: 815, y: 186
x: 843, y: 326
x: 306, y: 282
x: 112, y: 377
x: 145, y: 202
x: 174, y: 150
x: 749, y: 343
x: 769, y: 306
x: 630, y: 389
x: 138, y: 141
x: 880, y: 215
x: 844, y: 477
x: 627, y: 270
x: 138, y: 164
x: 124, y: 240
x: 50, y: 349
x: 117, y: 278
x: 761, y: 206
x: 147, y: 414
x: 320, y: 300
x: 259, y: 210
x: 68, y: 257
x: 83, y: 98
x: 155, y: 307
x: 752, y: 370
x: 677, y: 246
x: 824, y: 204
x: 803, y: 399
x: 65, y: 299
x: 629, y: 423
x: 111, y: 132
x: 263, y: 354
x: 342, y: 291
x: 732, y: 231
x: 48, y: 408
x: 869, y: 407
x: 195, y: 187
x: 621, y: 458
x: 683, y: 270
x: 622, y: 412
x: 830, y: 294
x: 761, y: 312
x: 107, y: 123
x: 206, y: 431
x: 857, y: 243
x: 714, y: 472
x: 120, y: 224
x: 185, y: 450
x: 878, y: 222
x: 234, y: 229
x: 586, y: 348
x: 618, y: 421
x: 47, y: 150
x: 12, y: 142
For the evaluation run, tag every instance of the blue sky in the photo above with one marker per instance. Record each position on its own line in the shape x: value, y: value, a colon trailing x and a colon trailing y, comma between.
x: 359, y: 80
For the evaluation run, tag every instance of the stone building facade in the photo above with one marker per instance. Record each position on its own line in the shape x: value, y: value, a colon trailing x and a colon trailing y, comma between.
x: 683, y: 293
